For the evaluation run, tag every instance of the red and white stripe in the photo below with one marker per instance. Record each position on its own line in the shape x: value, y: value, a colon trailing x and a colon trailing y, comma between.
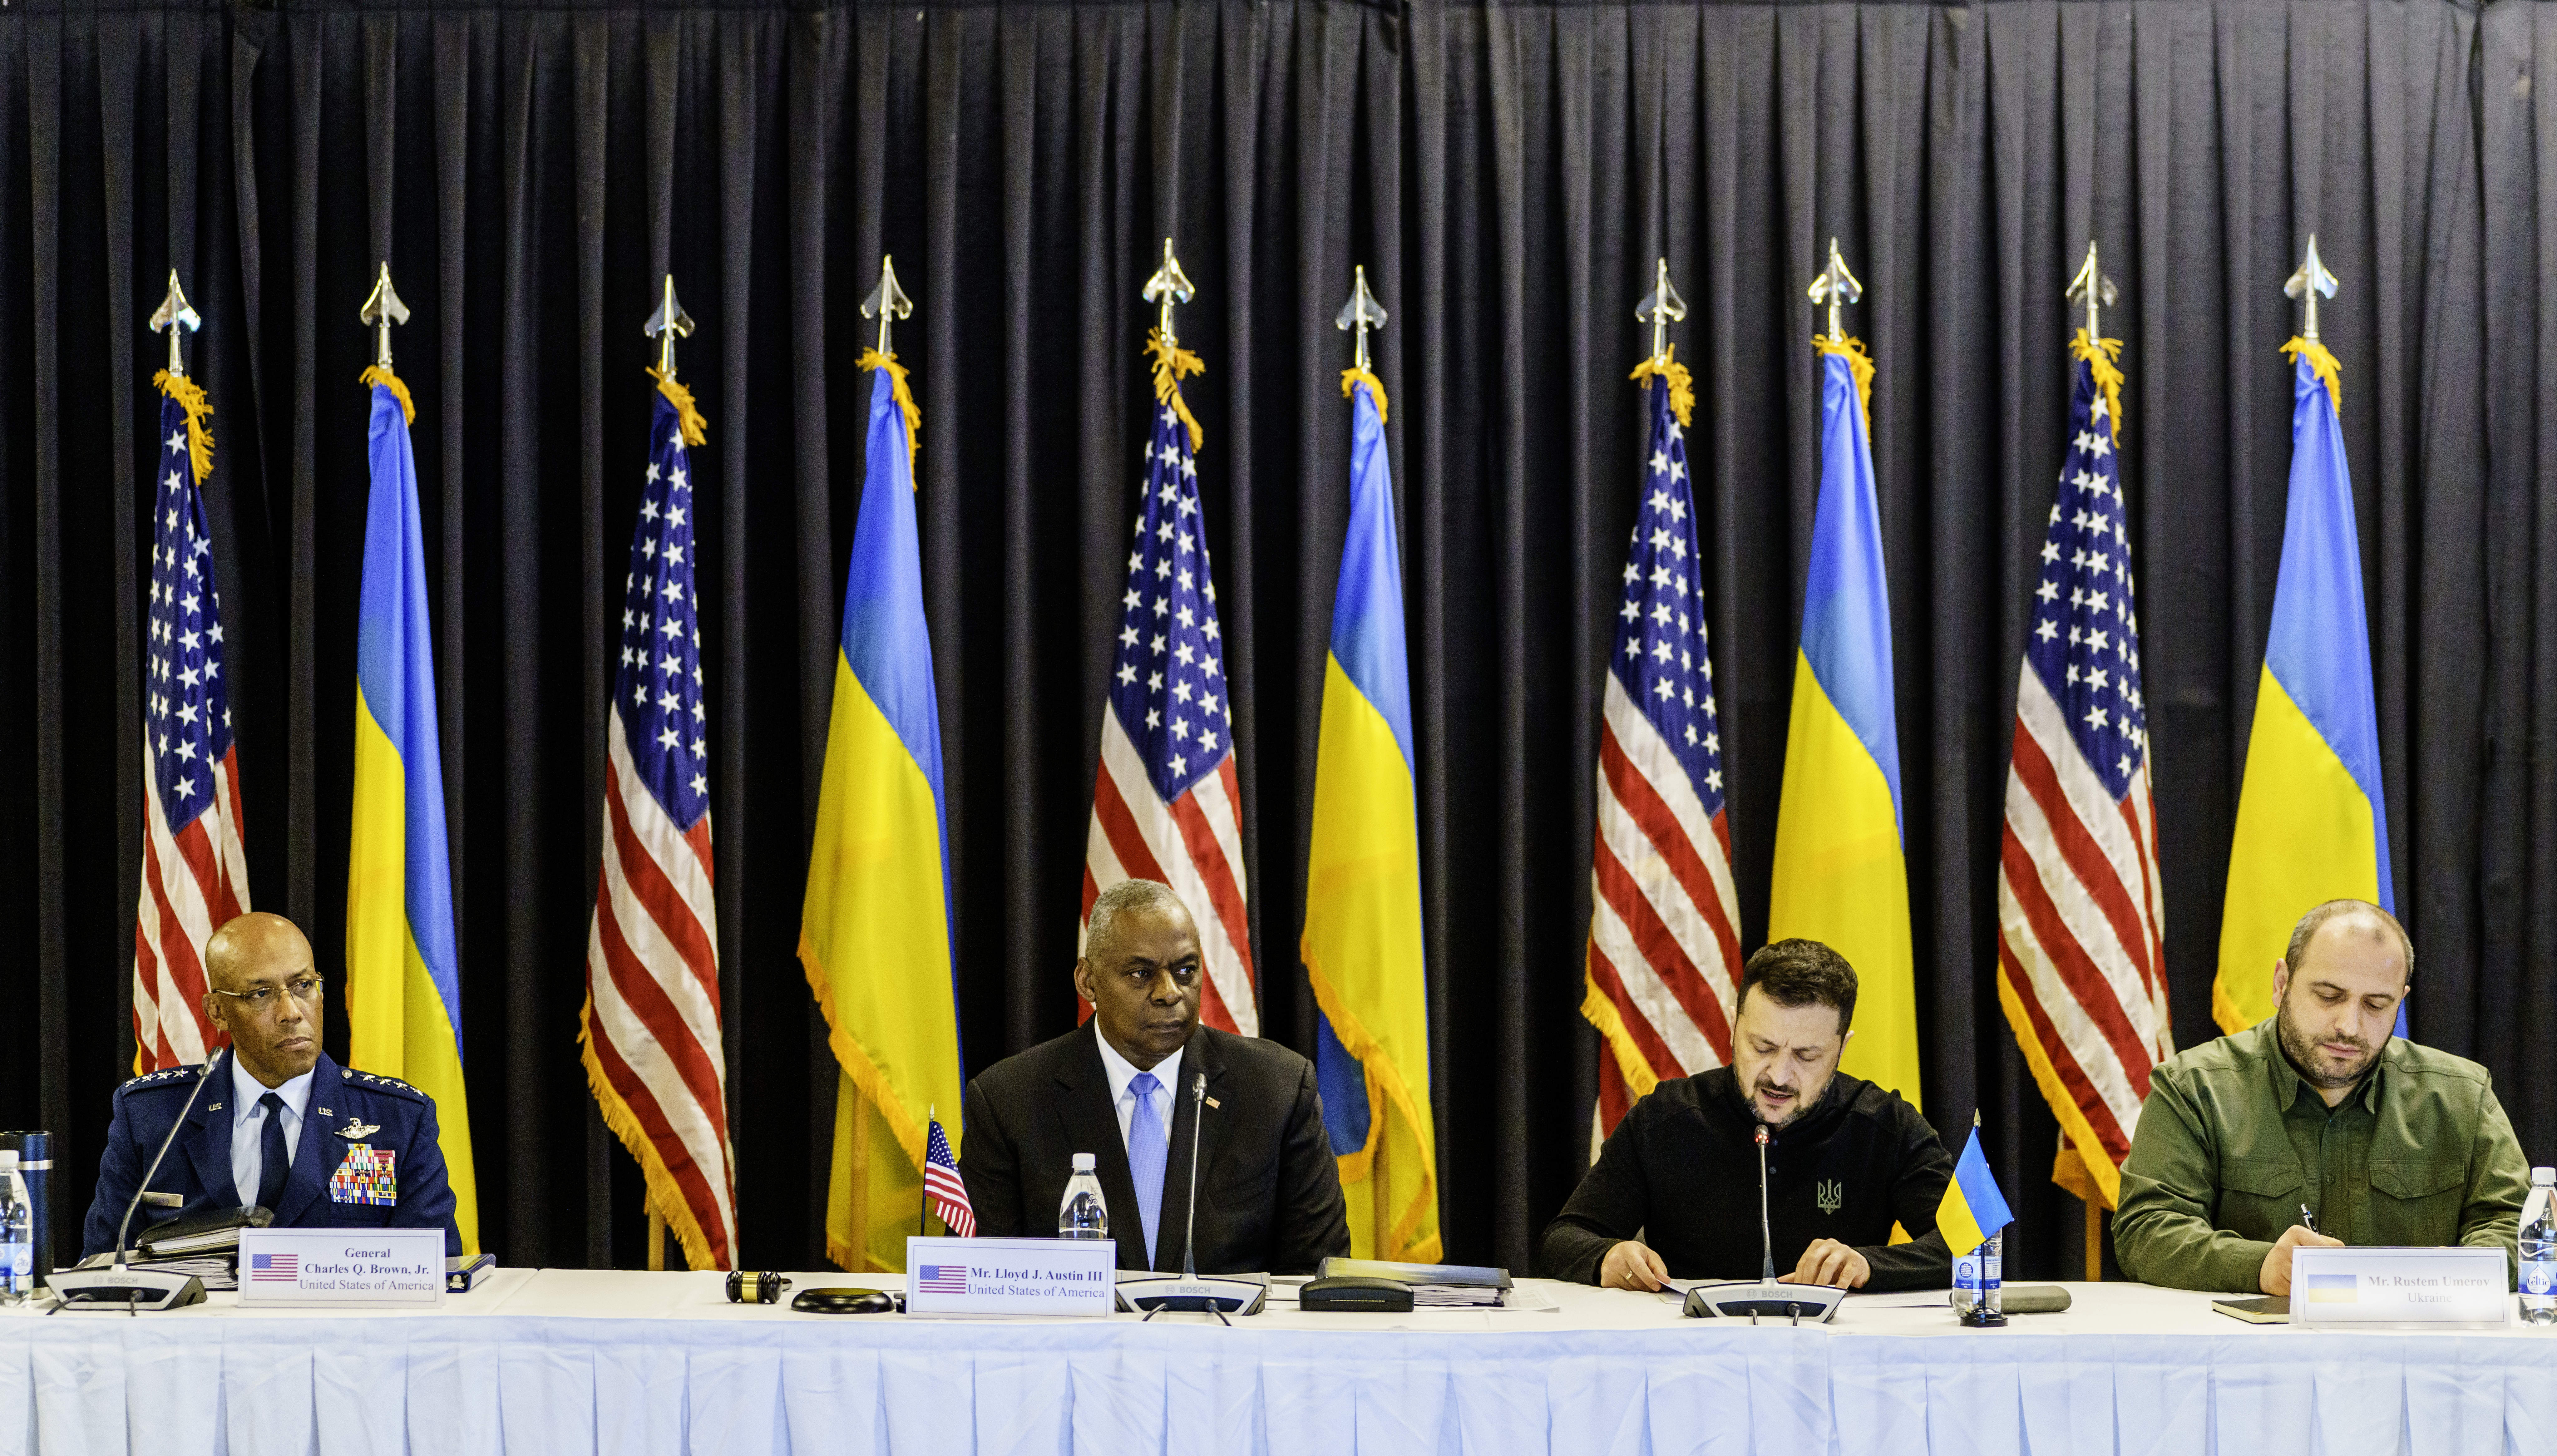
x: 2081, y: 920
x: 1194, y: 843
x: 192, y: 884
x: 1664, y: 938
x: 652, y: 1014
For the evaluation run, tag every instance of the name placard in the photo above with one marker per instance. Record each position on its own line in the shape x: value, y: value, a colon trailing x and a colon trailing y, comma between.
x: 2361, y: 1288
x: 305, y: 1266
x: 1059, y: 1276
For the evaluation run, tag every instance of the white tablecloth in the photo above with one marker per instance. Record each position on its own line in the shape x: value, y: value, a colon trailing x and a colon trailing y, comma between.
x: 557, y: 1363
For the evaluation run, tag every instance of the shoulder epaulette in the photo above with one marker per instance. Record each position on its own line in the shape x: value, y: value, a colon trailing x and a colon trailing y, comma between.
x: 371, y: 1082
x: 167, y: 1077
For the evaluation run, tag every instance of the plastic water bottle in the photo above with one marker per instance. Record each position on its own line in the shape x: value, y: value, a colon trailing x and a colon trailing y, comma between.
x: 1966, y: 1282
x: 1084, y: 1214
x: 17, y: 1234
x: 1993, y: 1306
x: 2539, y: 1250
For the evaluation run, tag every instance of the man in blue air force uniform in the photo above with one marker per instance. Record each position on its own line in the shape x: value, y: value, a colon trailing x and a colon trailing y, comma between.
x: 279, y: 1125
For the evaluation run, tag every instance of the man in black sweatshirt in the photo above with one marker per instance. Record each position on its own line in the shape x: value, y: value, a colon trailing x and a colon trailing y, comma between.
x: 1845, y: 1160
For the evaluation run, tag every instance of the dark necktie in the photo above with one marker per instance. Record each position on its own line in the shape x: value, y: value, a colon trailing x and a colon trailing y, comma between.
x: 270, y: 1154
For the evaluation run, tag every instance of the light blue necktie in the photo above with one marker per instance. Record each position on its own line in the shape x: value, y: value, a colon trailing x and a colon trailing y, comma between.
x: 1147, y: 1146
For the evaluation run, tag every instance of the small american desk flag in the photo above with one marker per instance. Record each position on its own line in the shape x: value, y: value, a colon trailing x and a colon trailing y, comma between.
x: 1663, y: 966
x: 943, y: 1185
x: 2079, y: 917
x: 195, y: 873
x: 1163, y: 802
x: 651, y: 1027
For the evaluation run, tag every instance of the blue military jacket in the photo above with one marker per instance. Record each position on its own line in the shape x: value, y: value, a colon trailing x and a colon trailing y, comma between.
x: 367, y: 1157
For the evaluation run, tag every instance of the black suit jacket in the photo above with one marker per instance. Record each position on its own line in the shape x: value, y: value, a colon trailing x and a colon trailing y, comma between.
x: 1268, y: 1191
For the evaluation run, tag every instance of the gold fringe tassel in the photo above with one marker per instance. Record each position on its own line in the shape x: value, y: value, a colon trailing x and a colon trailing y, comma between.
x: 380, y: 374
x: 199, y: 437
x: 1172, y: 364
x: 1682, y: 384
x: 687, y: 415
x: 1859, y: 362
x: 2323, y: 362
x: 872, y: 359
x: 1351, y: 379
x: 663, y: 1190
x: 2104, y: 357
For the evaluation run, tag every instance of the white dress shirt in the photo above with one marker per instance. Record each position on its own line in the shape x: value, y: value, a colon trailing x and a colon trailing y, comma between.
x: 1168, y: 1074
x: 248, y: 1124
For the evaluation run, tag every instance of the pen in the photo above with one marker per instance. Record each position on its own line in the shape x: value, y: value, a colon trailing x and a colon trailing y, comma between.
x: 2308, y: 1219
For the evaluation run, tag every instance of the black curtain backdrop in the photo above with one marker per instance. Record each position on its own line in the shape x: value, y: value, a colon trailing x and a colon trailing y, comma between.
x: 1507, y: 174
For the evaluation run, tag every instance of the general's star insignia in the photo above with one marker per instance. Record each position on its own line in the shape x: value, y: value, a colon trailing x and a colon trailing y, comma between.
x: 355, y: 1130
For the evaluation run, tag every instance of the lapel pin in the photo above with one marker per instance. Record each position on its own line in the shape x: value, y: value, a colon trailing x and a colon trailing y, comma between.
x: 212, y: 1107
x: 356, y: 1128
x: 324, y: 1111
x: 1212, y: 1102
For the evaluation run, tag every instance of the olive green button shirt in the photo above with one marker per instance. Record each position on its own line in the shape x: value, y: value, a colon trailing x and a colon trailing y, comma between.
x: 2230, y: 1143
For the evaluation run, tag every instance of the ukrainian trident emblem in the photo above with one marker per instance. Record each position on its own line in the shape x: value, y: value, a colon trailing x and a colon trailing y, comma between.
x: 1830, y: 1195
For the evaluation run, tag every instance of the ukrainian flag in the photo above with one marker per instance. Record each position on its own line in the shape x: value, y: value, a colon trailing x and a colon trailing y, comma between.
x: 1839, y: 876
x: 874, y: 933
x: 1972, y: 1208
x: 1362, y: 942
x: 403, y: 970
x: 2311, y: 817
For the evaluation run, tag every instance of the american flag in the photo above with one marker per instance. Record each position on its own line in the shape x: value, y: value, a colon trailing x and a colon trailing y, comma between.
x: 942, y: 1279
x: 194, y: 874
x: 943, y: 1185
x: 1663, y: 947
x: 652, y: 1014
x: 1163, y: 802
x: 275, y: 1267
x: 2079, y: 915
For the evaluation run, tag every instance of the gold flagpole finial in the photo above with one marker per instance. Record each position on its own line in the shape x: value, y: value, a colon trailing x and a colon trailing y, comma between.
x: 1361, y: 314
x: 2306, y: 285
x: 383, y: 309
x: 887, y: 303
x: 1662, y: 307
x: 1835, y: 286
x: 173, y: 318
x: 667, y: 324
x: 2092, y: 287
x: 1167, y: 287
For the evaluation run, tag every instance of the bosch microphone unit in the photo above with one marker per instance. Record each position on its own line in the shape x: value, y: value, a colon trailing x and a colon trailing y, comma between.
x: 1219, y: 1295
x: 1738, y: 1298
x: 119, y: 1283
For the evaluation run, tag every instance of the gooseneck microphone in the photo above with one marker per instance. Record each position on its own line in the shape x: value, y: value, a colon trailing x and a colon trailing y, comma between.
x: 140, y: 1289
x: 1215, y: 1295
x: 1189, y: 1219
x: 1766, y: 1238
x: 153, y: 1171
x: 1738, y: 1297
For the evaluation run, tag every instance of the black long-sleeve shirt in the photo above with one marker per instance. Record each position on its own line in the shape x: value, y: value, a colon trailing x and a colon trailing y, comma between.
x: 1681, y: 1170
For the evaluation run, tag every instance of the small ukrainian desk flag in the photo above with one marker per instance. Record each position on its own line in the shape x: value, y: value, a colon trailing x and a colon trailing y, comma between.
x: 1973, y: 1209
x: 1839, y: 874
x: 1361, y: 940
x: 403, y: 969
x: 2312, y: 815
x: 874, y: 930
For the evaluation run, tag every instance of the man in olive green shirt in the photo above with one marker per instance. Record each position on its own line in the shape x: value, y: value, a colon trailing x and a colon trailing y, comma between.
x: 2319, y: 1112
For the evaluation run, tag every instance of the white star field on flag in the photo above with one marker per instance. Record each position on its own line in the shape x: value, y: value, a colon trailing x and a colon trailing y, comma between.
x: 658, y: 686
x: 186, y: 709
x: 1167, y: 681
x: 1661, y: 651
x: 2085, y: 640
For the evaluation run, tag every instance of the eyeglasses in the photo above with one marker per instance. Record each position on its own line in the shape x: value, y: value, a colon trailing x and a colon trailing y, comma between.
x: 262, y: 999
